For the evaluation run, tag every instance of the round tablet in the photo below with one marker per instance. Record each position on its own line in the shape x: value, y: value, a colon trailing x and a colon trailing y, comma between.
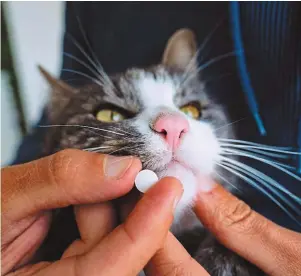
x: 145, y: 179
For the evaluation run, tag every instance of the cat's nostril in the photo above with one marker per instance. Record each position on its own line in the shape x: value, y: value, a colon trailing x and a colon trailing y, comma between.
x: 181, y: 133
x: 164, y: 132
x: 161, y: 131
x: 171, y: 128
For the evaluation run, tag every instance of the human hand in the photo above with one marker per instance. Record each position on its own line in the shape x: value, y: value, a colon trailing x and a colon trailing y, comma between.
x: 74, y: 177
x: 274, y: 249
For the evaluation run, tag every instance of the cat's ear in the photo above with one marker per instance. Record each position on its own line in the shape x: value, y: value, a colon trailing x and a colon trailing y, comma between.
x: 60, y: 94
x: 181, y: 50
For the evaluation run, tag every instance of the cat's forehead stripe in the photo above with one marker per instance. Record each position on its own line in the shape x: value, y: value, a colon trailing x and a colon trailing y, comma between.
x: 156, y: 92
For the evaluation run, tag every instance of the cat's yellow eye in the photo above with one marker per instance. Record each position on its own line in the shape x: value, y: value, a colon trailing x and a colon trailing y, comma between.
x: 108, y: 116
x: 191, y: 111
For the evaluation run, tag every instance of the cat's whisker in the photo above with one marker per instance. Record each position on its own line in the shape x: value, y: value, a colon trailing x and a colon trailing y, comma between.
x: 229, y: 145
x: 123, y: 131
x: 216, y: 59
x: 206, y: 81
x: 96, y: 148
x: 102, y: 77
x: 82, y: 63
x: 123, y: 142
x: 83, y: 126
x: 209, y: 36
x: 263, y: 160
x: 262, y: 176
x: 259, y: 188
x: 88, y: 129
x: 190, y: 67
x: 262, y: 155
x: 236, y: 141
x: 262, y: 151
x: 225, y: 180
x: 230, y: 124
x: 99, y: 66
x: 267, y: 153
x: 207, y: 64
x: 80, y: 48
x: 103, y: 151
x: 126, y: 147
x: 84, y: 75
x: 70, y: 79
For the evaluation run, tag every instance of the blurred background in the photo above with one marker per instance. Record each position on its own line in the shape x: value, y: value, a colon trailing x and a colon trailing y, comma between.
x: 31, y: 34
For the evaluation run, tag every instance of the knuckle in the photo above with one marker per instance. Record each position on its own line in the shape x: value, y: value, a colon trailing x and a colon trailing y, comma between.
x: 169, y: 267
x: 62, y: 166
x: 174, y: 269
x: 131, y: 237
x: 238, y: 215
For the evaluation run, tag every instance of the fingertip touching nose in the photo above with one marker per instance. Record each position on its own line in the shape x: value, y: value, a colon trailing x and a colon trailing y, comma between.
x: 171, y: 128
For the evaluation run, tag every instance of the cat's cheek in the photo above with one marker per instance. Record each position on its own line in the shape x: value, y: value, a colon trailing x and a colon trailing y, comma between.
x: 200, y: 148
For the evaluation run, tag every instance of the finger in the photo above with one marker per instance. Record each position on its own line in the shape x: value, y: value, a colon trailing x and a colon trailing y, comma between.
x: 94, y: 222
x: 22, y: 248
x: 127, y: 203
x: 172, y: 260
x: 274, y: 249
x: 130, y: 246
x: 65, y: 178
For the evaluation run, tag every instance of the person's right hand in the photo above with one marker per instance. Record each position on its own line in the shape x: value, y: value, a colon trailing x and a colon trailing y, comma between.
x: 88, y: 181
x: 274, y: 249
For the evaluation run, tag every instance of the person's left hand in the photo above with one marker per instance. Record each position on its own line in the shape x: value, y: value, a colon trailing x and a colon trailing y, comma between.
x: 83, y: 179
x: 272, y: 248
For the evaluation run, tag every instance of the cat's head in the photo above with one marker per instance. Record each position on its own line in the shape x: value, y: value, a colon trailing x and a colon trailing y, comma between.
x: 162, y: 114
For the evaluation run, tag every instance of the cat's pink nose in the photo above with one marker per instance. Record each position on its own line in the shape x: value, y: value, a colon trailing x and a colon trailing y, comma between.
x: 171, y: 128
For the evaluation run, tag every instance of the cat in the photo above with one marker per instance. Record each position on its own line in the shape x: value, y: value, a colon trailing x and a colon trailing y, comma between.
x: 163, y: 115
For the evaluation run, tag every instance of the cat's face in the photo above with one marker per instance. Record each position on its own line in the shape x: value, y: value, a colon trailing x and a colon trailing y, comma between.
x: 163, y: 115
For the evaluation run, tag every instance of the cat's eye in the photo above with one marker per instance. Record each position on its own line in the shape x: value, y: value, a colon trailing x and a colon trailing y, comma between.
x: 108, y: 116
x: 191, y: 110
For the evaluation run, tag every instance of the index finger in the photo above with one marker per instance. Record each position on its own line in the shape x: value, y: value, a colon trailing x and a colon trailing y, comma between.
x: 274, y: 249
x: 66, y: 178
x: 130, y: 246
x: 173, y: 259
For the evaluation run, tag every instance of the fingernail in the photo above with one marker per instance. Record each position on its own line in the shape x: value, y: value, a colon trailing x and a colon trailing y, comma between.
x: 116, y: 166
x: 205, y: 184
x: 176, y: 201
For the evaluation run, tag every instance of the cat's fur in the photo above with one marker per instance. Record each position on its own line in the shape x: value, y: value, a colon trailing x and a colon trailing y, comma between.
x: 144, y: 95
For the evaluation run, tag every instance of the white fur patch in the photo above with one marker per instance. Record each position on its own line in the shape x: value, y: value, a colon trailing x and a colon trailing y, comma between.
x: 198, y: 151
x: 156, y: 92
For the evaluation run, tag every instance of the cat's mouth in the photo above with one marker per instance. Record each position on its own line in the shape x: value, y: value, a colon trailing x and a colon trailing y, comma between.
x: 176, y: 161
x: 175, y: 165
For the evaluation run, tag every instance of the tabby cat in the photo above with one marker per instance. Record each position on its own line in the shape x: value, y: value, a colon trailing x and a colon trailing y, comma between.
x: 165, y: 116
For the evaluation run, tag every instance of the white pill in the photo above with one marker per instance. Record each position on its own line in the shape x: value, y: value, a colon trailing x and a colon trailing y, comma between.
x: 145, y: 179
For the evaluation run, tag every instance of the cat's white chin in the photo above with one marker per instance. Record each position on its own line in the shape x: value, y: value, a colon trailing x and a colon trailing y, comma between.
x: 184, y: 216
x: 189, y: 182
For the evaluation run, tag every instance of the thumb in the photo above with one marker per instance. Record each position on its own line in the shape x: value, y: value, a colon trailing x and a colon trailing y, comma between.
x: 69, y: 177
x: 274, y: 249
